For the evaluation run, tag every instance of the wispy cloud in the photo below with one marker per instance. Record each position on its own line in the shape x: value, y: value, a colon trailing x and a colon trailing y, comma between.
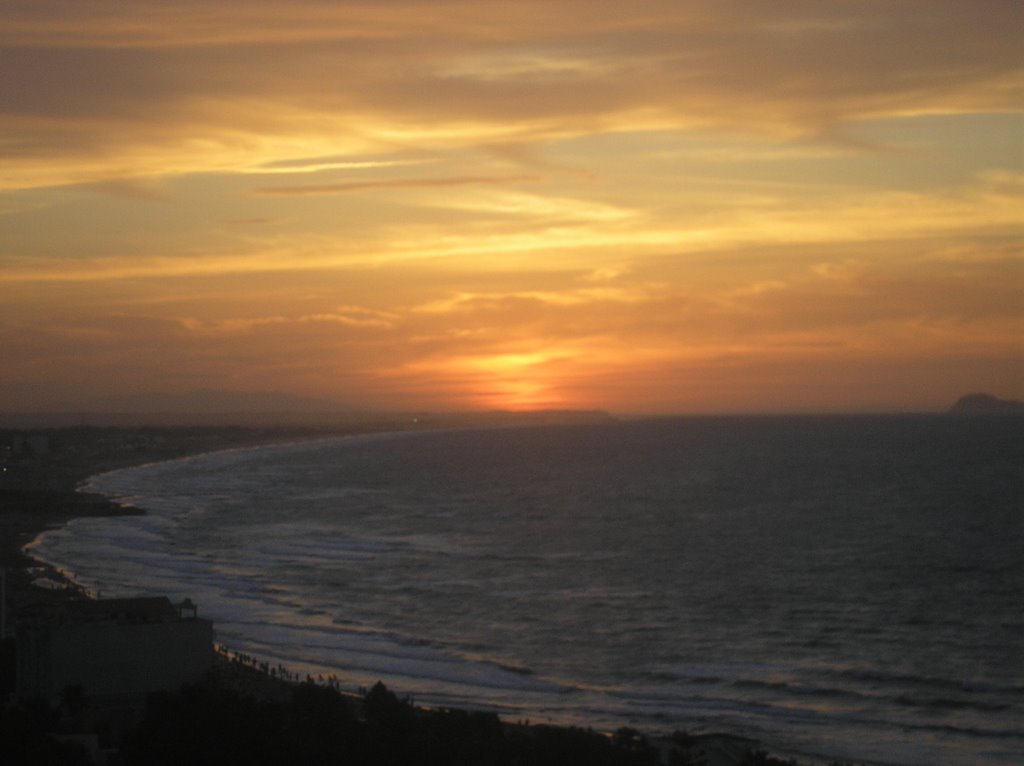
x: 394, y: 183
x: 320, y: 164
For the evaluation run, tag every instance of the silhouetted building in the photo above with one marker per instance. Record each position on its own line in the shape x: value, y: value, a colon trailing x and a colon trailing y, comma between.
x: 111, y: 648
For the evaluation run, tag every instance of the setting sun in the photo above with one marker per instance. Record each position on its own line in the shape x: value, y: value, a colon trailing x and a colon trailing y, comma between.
x: 518, y: 382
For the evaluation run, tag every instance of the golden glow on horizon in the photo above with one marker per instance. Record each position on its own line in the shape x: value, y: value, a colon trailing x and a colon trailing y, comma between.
x: 519, y: 382
x: 679, y: 207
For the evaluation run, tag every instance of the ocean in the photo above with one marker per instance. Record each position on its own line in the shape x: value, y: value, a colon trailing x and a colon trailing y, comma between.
x: 837, y: 587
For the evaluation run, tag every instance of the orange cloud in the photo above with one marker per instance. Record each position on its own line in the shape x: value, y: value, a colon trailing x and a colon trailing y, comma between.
x: 393, y: 183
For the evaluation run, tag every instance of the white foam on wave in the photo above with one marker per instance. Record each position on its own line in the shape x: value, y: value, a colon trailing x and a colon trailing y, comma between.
x: 368, y: 654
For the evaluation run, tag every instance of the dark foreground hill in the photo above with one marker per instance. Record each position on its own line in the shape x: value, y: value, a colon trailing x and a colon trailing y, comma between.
x: 216, y: 725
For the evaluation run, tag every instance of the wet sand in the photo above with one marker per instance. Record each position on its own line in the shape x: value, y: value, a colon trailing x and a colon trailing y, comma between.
x: 23, y: 516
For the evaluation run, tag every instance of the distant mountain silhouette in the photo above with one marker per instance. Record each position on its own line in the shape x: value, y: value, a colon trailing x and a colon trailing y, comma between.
x: 986, y: 404
x: 215, y: 401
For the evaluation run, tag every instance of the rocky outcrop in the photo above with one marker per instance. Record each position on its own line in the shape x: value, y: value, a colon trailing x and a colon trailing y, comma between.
x: 986, y: 404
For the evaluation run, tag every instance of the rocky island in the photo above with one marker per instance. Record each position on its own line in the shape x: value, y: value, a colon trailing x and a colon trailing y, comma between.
x: 986, y: 404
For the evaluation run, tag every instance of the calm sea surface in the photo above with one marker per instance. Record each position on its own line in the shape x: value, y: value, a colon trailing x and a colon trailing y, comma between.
x: 849, y: 587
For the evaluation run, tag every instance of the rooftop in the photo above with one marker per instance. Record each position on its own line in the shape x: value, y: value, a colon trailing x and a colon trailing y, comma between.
x: 142, y: 610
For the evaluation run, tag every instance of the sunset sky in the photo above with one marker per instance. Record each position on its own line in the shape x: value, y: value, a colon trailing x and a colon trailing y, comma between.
x: 656, y: 206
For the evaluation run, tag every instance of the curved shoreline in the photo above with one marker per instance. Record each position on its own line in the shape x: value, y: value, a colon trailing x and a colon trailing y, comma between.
x: 468, y: 701
x: 28, y: 510
x: 106, y: 507
x: 44, y: 490
x: 40, y: 492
